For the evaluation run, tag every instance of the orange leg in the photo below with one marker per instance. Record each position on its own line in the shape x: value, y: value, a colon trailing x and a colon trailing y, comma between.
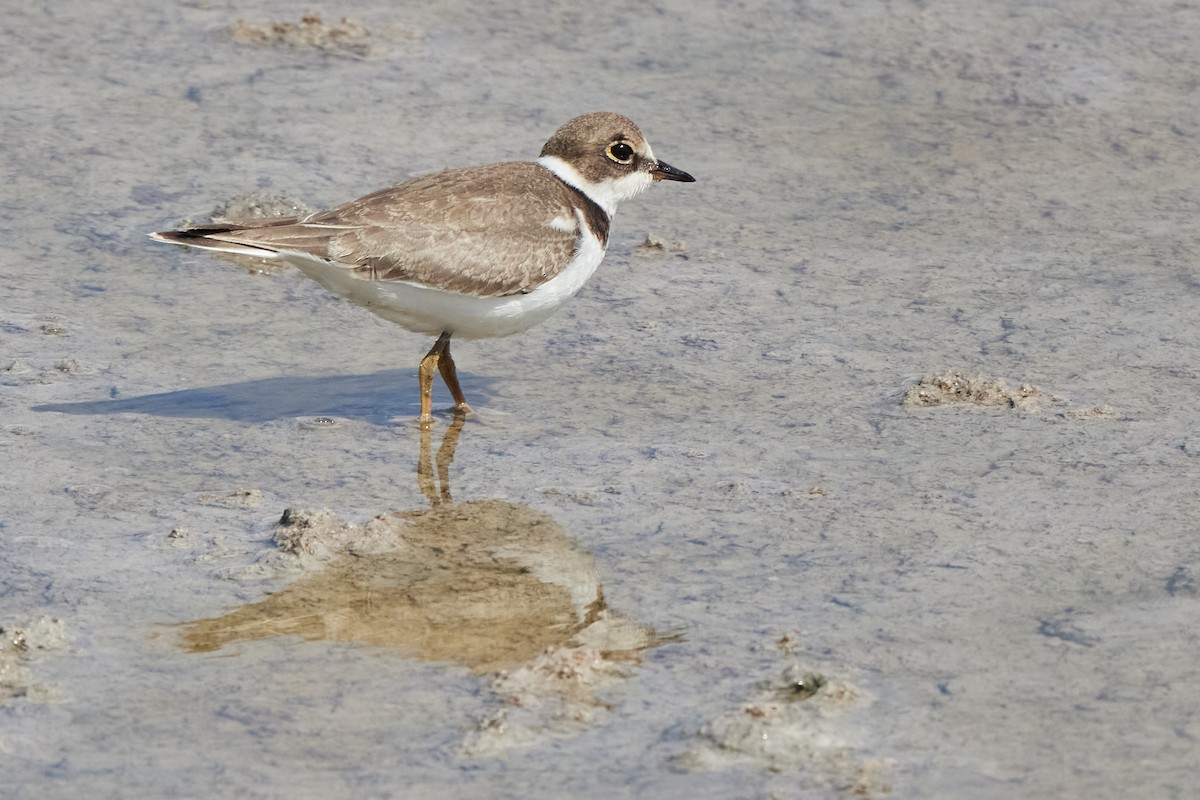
x: 450, y: 376
x: 429, y: 365
x: 438, y: 359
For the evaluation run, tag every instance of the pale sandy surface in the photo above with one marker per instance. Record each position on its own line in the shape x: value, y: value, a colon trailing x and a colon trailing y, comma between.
x: 1000, y: 602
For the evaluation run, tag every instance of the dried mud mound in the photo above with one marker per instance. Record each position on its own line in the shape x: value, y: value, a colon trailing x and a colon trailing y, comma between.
x: 976, y: 391
x: 967, y: 390
x: 346, y: 37
x: 19, y: 647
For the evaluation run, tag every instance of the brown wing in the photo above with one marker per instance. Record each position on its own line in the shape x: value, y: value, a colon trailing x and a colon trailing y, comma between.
x: 484, y: 231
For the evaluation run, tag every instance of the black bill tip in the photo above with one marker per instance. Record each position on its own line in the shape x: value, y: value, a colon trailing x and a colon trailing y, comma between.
x: 663, y: 171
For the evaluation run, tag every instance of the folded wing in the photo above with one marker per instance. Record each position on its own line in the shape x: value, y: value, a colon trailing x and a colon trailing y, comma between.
x: 488, y: 231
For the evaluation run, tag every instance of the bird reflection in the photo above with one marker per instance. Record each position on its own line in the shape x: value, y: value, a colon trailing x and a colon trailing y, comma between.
x: 486, y: 584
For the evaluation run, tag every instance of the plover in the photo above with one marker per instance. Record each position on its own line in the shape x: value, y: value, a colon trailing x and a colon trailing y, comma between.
x: 476, y: 252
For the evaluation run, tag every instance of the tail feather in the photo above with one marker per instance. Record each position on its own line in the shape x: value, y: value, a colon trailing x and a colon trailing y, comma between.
x: 204, y: 238
x: 228, y: 236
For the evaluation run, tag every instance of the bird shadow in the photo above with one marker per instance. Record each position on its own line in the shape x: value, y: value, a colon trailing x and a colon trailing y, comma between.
x: 377, y: 397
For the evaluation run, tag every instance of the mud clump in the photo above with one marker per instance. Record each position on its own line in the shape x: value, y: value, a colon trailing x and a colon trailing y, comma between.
x: 347, y: 37
x: 658, y: 244
x: 794, y: 722
x: 975, y: 391
x: 19, y: 646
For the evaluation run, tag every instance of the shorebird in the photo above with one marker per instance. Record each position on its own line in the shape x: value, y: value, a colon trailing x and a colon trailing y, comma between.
x: 475, y: 252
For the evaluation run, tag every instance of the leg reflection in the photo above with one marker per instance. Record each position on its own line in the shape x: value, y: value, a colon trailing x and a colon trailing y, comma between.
x: 445, y: 456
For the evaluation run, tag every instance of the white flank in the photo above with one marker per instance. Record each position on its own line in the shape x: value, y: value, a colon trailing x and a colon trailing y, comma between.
x: 424, y: 310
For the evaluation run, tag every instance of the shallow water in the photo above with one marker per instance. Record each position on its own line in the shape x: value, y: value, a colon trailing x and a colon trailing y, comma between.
x: 709, y: 448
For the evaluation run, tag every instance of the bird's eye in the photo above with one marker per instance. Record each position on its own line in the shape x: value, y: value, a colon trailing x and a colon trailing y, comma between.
x: 620, y: 152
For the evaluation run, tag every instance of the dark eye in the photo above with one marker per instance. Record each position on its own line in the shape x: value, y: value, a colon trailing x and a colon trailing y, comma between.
x: 620, y: 152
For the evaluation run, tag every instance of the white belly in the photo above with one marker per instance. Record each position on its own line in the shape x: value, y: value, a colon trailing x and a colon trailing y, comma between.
x: 424, y: 310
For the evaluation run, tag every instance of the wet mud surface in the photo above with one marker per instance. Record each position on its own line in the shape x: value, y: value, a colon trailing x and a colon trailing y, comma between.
x: 864, y: 466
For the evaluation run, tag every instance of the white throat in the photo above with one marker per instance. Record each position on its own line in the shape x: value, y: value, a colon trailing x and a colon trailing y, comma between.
x: 608, y: 193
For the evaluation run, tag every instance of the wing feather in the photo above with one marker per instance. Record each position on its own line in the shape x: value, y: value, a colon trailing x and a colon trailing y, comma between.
x: 485, y: 231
